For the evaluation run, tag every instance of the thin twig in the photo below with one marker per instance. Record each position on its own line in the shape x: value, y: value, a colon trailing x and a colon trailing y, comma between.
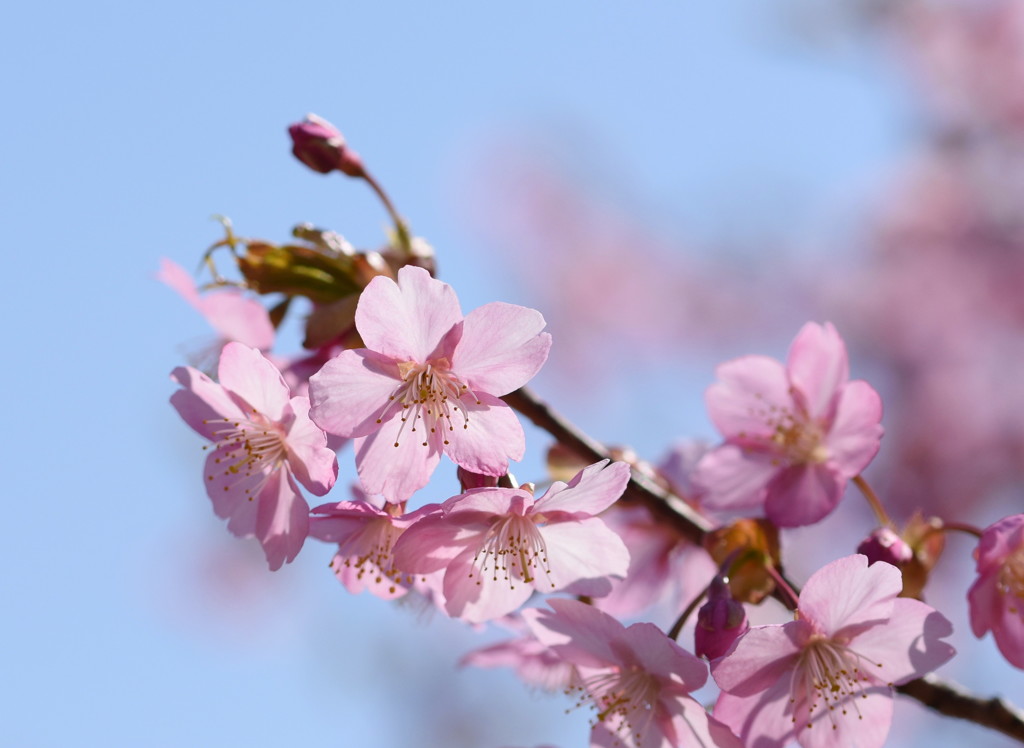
x: 946, y: 698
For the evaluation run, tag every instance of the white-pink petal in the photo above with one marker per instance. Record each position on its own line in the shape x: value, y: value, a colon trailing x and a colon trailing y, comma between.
x: 407, y: 320
x: 351, y: 391
x: 501, y: 348
x: 583, y: 551
x: 313, y: 464
x: 282, y: 519
x: 750, y: 393
x: 202, y: 400
x: 377, y: 458
x: 591, y: 491
x: 245, y: 372
x: 492, y: 437
x: 847, y: 593
x: 818, y: 366
x: 908, y: 645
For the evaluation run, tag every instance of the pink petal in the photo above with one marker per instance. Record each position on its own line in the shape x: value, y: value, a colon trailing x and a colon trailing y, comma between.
x: 395, y: 472
x: 202, y: 400
x: 1008, y: 629
x: 1000, y: 540
x: 282, y: 520
x: 233, y: 491
x: 407, y: 321
x: 245, y: 372
x: 748, y: 396
x: 762, y: 656
x: 236, y: 317
x: 591, y: 491
x: 763, y: 718
x: 865, y: 724
x: 492, y: 437
x: 803, y: 494
x: 580, y: 633
x: 476, y: 595
x: 907, y: 645
x: 694, y: 726
x: 984, y: 603
x: 853, y: 440
x: 867, y: 594
x: 351, y: 392
x: 313, y: 464
x: 501, y: 348
x: 733, y: 479
x: 488, y: 502
x: 662, y: 657
x: 431, y: 543
x: 817, y: 367
x: 179, y: 279
x: 582, y: 551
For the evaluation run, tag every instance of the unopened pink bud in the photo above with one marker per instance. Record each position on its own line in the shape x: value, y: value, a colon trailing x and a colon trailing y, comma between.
x: 720, y: 622
x: 320, y: 146
x: 885, y: 545
x: 469, y: 480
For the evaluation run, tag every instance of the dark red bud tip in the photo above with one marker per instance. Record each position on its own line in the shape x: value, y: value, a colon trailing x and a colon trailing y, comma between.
x: 469, y: 480
x: 885, y: 545
x: 320, y: 146
x: 720, y: 622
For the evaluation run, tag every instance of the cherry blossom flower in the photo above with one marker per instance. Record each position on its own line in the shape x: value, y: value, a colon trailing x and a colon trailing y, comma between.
x: 366, y: 531
x: 795, y: 434
x: 233, y: 315
x: 997, y: 596
x: 637, y: 679
x: 826, y: 679
x: 499, y: 545
x: 428, y: 383
x: 263, y: 443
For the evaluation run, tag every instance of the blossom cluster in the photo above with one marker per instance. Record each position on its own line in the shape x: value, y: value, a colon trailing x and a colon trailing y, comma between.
x: 396, y: 378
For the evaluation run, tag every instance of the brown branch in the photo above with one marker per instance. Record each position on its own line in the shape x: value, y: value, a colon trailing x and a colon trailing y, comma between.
x: 953, y: 701
x: 946, y: 698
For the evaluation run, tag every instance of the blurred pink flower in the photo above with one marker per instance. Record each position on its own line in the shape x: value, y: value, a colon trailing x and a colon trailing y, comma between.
x: 826, y: 679
x: 638, y: 679
x: 997, y: 597
x: 795, y: 434
x: 263, y: 443
x: 498, y: 545
x: 428, y: 382
x: 232, y: 314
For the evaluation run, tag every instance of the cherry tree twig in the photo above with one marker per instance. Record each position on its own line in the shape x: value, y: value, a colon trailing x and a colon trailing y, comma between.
x: 946, y: 698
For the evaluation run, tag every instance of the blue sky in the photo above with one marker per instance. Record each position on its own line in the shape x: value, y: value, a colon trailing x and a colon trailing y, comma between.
x: 132, y: 618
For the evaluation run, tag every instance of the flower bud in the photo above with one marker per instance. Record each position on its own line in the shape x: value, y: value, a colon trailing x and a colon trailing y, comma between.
x: 720, y: 621
x: 885, y: 545
x: 469, y: 480
x: 320, y: 146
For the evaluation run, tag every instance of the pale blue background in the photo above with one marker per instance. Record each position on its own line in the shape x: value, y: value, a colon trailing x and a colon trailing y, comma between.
x: 129, y: 616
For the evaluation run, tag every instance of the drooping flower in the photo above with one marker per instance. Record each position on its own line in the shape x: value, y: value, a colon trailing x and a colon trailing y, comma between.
x: 428, y: 383
x: 366, y: 531
x: 263, y: 442
x: 637, y: 679
x: 794, y: 434
x: 997, y: 596
x: 826, y: 679
x: 498, y: 545
x: 233, y: 315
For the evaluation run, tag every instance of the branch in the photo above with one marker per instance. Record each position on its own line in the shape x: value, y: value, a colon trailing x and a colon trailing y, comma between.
x: 953, y: 701
x: 946, y: 698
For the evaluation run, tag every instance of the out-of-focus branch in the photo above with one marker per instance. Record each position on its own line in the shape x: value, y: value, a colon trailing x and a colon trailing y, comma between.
x: 953, y: 701
x: 946, y: 698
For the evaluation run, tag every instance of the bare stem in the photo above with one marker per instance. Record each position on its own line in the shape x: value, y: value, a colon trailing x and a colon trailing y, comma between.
x: 872, y: 497
x: 946, y: 698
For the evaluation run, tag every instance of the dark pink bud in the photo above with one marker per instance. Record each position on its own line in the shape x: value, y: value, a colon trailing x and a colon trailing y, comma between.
x: 470, y: 480
x: 885, y: 545
x: 320, y: 146
x: 720, y: 621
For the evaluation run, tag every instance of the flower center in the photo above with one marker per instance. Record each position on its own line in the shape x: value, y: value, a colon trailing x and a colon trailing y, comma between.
x: 831, y: 676
x: 247, y: 448
x: 624, y: 699
x: 369, y: 552
x: 1011, y: 575
x: 430, y: 399
x: 513, y: 550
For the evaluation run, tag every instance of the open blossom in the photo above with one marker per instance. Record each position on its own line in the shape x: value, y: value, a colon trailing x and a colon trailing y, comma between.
x: 997, y: 596
x: 826, y: 679
x: 794, y: 433
x: 498, y: 545
x: 428, y: 383
x: 232, y: 314
x: 366, y: 532
x: 263, y: 442
x: 637, y: 679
